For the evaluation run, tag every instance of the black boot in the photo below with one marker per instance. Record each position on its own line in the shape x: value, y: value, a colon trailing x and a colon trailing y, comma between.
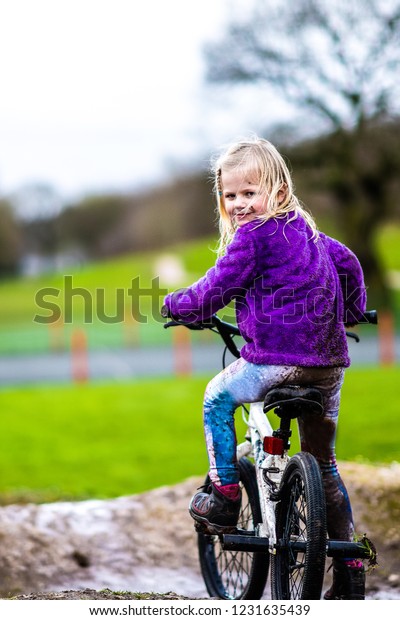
x: 215, y: 510
x: 348, y: 582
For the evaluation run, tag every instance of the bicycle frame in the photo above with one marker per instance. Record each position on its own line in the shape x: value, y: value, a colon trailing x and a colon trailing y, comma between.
x: 269, y: 469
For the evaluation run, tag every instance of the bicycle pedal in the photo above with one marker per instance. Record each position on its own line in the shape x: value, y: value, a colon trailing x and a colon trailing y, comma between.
x: 212, y: 529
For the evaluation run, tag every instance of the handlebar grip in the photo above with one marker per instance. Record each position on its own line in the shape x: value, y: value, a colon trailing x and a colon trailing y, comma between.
x: 371, y: 316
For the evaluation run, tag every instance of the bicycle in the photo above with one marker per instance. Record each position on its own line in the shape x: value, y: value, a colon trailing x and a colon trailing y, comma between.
x: 283, y: 517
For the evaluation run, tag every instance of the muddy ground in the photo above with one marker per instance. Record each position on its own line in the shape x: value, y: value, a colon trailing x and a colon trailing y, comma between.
x: 144, y: 546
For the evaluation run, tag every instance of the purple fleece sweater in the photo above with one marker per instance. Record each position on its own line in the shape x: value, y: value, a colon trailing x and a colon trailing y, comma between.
x: 292, y: 294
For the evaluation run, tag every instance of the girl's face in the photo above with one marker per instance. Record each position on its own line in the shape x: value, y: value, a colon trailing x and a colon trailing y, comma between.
x: 242, y: 199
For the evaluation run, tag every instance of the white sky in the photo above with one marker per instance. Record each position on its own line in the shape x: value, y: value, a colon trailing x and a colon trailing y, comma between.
x: 108, y: 94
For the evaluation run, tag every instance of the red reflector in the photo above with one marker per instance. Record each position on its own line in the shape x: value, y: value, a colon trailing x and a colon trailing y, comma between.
x: 273, y: 445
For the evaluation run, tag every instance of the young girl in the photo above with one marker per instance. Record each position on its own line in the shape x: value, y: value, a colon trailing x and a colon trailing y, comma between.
x: 295, y: 289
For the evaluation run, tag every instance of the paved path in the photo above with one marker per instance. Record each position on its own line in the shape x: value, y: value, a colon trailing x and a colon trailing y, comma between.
x: 111, y: 364
x: 122, y: 364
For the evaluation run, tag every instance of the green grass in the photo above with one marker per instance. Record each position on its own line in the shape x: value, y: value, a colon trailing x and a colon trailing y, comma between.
x: 26, y: 301
x: 110, y: 439
x: 99, y: 440
x: 368, y: 423
x: 388, y: 246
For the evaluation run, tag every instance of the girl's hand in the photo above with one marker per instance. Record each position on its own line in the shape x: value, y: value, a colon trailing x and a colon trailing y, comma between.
x: 165, y: 313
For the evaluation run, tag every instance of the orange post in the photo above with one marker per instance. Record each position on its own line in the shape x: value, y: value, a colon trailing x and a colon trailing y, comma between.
x: 79, y: 356
x: 386, y: 334
x: 182, y: 351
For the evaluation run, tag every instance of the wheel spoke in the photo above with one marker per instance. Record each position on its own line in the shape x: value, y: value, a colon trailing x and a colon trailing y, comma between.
x: 234, y: 568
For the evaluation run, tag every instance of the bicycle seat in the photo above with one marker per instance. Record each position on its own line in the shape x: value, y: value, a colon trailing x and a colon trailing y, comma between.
x: 293, y: 400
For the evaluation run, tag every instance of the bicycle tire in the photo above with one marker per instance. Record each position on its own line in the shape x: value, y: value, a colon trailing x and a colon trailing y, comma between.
x: 235, y: 575
x: 301, y: 519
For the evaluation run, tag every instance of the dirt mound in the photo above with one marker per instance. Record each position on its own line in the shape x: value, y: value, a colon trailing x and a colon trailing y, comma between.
x: 136, y: 543
x: 146, y: 542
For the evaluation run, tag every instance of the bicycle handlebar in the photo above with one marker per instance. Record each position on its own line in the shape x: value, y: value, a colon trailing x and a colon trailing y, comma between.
x: 227, y: 331
x: 370, y: 316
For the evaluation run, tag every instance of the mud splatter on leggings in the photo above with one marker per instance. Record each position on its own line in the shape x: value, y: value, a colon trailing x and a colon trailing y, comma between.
x: 243, y: 382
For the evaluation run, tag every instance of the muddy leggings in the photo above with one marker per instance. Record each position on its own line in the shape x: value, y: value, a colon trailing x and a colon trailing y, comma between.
x: 243, y: 382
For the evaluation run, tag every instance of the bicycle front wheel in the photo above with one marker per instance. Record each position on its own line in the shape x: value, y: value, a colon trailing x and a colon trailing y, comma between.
x: 236, y: 574
x: 297, y: 568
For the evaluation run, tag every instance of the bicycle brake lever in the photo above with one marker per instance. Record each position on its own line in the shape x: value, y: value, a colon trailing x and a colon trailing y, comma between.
x: 353, y: 335
x: 193, y: 326
x: 170, y: 324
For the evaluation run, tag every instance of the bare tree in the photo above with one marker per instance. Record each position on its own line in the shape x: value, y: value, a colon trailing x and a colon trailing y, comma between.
x: 339, y: 62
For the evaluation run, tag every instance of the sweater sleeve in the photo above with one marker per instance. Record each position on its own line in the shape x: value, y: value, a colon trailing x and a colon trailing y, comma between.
x: 229, y: 279
x: 351, y: 279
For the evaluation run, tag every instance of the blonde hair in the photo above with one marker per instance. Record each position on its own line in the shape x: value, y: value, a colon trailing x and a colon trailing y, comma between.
x: 258, y: 158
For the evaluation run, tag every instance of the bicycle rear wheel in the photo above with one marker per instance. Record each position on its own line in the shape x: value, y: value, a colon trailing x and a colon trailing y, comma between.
x: 236, y: 574
x: 297, y: 568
